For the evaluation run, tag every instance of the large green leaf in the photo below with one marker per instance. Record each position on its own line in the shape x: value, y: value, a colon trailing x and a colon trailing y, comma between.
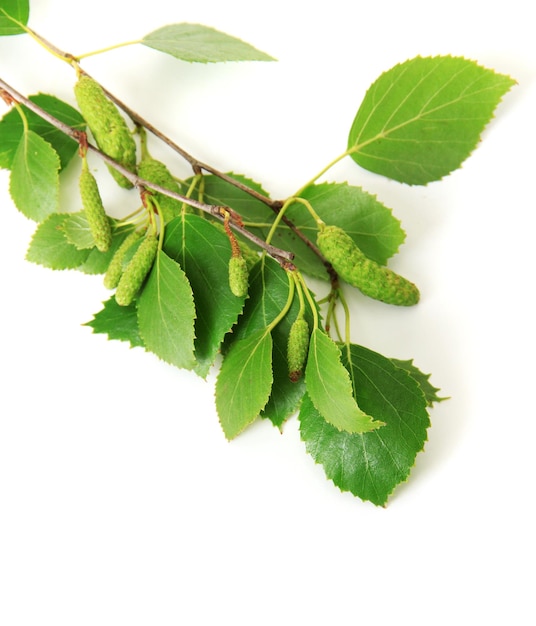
x: 34, y: 181
x: 166, y: 313
x: 421, y: 119
x: 371, y: 465
x: 329, y: 387
x: 201, y: 44
x: 12, y: 129
x: 117, y: 322
x: 366, y: 220
x: 49, y: 246
x: 244, y: 382
x: 203, y: 251
x: 19, y: 10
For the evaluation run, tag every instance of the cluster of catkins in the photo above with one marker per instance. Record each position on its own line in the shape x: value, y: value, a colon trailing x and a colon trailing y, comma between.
x: 127, y: 271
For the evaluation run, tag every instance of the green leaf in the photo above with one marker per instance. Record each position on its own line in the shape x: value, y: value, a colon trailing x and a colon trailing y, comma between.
x: 203, y: 252
x: 244, y: 382
x: 330, y: 389
x: 50, y: 248
x: 118, y: 322
x: 218, y: 191
x: 421, y: 119
x: 268, y: 294
x: 97, y: 262
x: 201, y: 44
x: 77, y: 231
x: 19, y: 10
x: 166, y: 313
x: 12, y: 129
x: 371, y: 465
x: 364, y: 218
x: 34, y: 182
x: 430, y: 392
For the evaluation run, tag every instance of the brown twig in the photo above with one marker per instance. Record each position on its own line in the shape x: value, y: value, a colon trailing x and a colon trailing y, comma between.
x: 197, y: 165
x: 282, y: 256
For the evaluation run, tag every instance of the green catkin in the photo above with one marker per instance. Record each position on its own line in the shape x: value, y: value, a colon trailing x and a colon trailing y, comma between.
x: 115, y: 268
x: 374, y: 280
x: 99, y: 222
x: 107, y: 125
x: 238, y: 276
x: 157, y: 172
x: 297, y: 348
x: 136, y: 271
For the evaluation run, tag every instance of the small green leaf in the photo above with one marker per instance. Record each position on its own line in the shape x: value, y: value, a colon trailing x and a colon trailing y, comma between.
x: 77, y: 231
x: 12, y: 129
x: 244, y: 382
x: 118, y: 322
x: 430, y: 392
x: 34, y: 182
x: 49, y: 246
x: 421, y: 119
x: 196, y: 43
x: 166, y: 313
x: 203, y: 253
x: 370, y: 465
x: 330, y: 389
x: 19, y: 10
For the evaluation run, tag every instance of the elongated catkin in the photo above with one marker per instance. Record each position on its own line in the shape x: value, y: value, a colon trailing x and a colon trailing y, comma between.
x: 107, y: 125
x: 157, y: 172
x: 238, y: 276
x: 374, y: 280
x: 115, y: 268
x: 297, y: 348
x: 136, y: 271
x: 99, y: 222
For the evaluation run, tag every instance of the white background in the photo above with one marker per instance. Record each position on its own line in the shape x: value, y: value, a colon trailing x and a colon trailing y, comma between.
x: 121, y: 502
